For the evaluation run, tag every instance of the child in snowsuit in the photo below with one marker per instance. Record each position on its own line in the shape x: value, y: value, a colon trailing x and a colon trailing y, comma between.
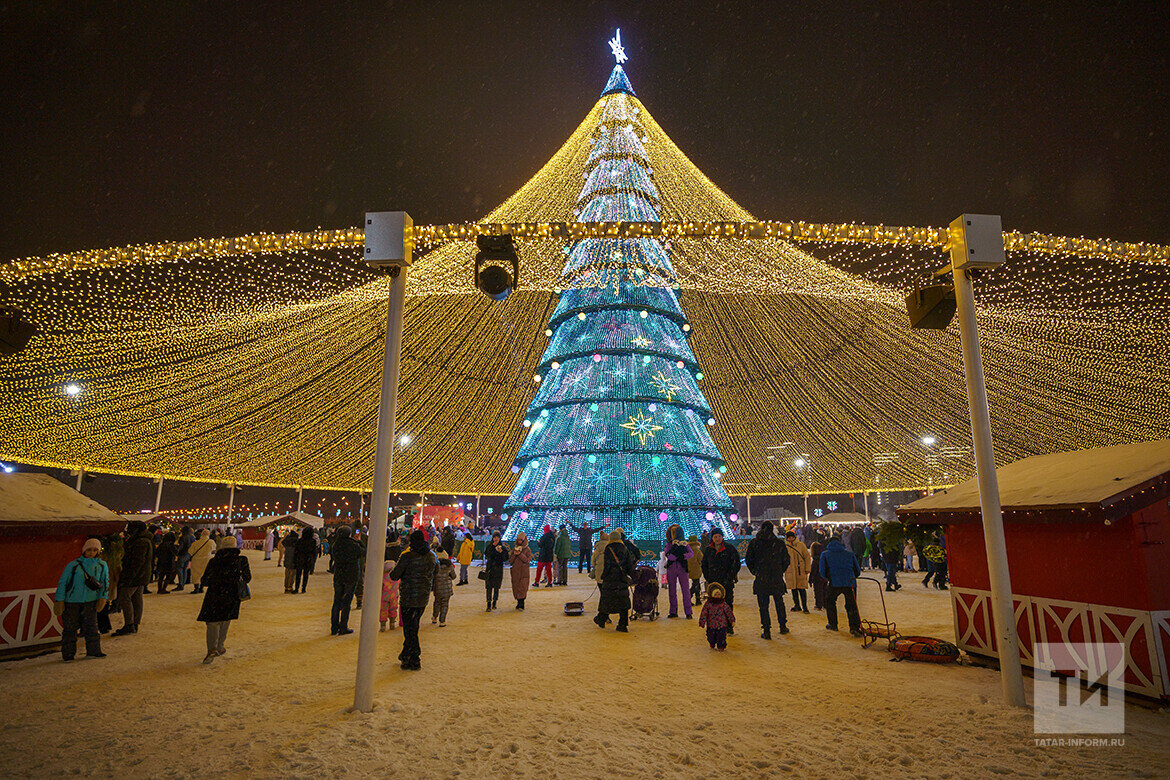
x: 442, y: 587
x: 389, y: 612
x: 716, y: 617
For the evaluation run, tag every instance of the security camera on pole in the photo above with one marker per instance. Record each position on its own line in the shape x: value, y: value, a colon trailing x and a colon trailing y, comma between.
x: 976, y: 244
x: 388, y: 246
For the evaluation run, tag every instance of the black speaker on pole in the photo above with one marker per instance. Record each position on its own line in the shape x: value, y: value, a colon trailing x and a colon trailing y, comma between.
x: 931, y: 307
x: 15, y: 332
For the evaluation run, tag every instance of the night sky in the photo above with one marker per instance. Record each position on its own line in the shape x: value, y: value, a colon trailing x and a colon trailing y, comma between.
x: 128, y: 122
x: 160, y: 121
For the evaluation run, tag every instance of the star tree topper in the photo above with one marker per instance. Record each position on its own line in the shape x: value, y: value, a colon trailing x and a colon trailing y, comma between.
x: 615, y: 45
x: 641, y: 426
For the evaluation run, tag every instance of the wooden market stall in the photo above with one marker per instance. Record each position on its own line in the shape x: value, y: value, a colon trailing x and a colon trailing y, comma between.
x: 1088, y: 543
x: 43, y: 524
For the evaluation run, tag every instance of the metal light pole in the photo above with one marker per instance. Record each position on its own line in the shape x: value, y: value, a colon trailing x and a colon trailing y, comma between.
x: 80, y: 476
x: 158, y: 494
x: 300, y: 488
x: 389, y: 238
x: 977, y: 242
x: 231, y: 503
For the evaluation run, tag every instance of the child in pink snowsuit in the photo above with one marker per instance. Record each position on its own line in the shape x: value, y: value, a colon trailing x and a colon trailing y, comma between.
x: 716, y: 617
x: 389, y: 612
x: 675, y: 554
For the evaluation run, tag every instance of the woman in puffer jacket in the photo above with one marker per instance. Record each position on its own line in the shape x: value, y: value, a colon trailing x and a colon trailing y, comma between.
x: 81, y: 594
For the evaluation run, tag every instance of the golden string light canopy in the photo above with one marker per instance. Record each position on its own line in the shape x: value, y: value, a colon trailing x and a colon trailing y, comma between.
x: 256, y: 360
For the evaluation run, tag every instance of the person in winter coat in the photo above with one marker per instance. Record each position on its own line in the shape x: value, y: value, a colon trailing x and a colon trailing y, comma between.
x: 166, y: 561
x: 767, y: 559
x: 466, y: 555
x: 442, y: 588
x: 678, y: 555
x: 595, y: 557
x: 695, y: 568
x: 447, y: 540
x: 614, y: 570
x: 278, y: 545
x: 631, y: 548
x: 137, y: 565
x: 546, y: 547
x: 519, y: 559
x: 857, y: 543
x: 908, y: 553
x: 563, y: 551
x: 304, y: 553
x: 721, y: 564
x: 495, y: 555
x: 183, y: 557
x: 584, y: 546
x: 415, y: 572
x: 81, y: 593
x: 347, y: 570
x: 112, y: 554
x: 717, y: 617
x: 221, y: 603
x: 818, y: 582
x: 796, y: 576
x: 289, y: 545
x: 388, y: 613
x: 269, y: 543
x: 201, y: 551
x: 840, y: 569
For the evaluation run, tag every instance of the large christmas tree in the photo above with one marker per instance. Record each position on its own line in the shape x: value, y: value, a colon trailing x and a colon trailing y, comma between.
x: 618, y: 429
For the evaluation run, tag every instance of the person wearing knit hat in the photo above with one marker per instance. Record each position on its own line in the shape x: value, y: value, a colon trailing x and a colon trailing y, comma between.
x: 224, y: 581
x: 442, y: 587
x: 81, y: 593
x: 545, y: 548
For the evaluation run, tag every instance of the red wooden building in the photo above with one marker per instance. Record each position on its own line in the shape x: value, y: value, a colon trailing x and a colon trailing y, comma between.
x: 43, y: 524
x: 1088, y: 543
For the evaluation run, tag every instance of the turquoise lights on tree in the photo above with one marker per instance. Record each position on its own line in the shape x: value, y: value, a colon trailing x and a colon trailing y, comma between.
x: 618, y: 430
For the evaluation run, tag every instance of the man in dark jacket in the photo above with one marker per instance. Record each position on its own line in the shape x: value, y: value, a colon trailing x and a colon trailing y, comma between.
x: 721, y: 564
x: 544, y: 556
x: 137, y: 568
x: 839, y: 567
x: 615, y: 570
x: 585, y: 546
x: 819, y: 583
x: 767, y: 558
x: 347, y: 570
x: 857, y: 544
x: 416, y: 572
x: 184, y: 557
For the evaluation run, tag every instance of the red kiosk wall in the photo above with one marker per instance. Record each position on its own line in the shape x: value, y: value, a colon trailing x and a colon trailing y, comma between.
x: 1075, y: 561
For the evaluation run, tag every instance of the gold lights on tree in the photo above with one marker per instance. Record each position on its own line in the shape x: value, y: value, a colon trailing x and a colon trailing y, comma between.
x: 256, y: 360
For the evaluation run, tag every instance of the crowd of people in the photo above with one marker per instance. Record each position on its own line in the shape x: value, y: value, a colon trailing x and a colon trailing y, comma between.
x: 114, y: 573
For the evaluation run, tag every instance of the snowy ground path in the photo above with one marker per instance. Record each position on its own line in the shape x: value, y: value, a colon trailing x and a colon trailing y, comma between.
x: 530, y: 694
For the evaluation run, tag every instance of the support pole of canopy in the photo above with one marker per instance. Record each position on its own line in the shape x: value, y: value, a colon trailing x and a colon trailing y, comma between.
x: 300, y: 489
x: 806, y: 508
x: 476, y: 510
x: 865, y: 503
x: 387, y: 243
x: 749, y: 508
x: 1003, y: 609
x: 231, y: 503
x: 80, y: 476
x: 158, y: 494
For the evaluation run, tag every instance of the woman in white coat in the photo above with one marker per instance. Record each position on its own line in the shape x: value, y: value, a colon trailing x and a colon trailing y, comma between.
x: 201, y: 551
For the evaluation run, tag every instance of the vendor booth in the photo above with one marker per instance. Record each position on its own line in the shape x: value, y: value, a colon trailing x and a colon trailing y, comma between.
x: 1088, y: 544
x: 256, y: 529
x: 43, y: 524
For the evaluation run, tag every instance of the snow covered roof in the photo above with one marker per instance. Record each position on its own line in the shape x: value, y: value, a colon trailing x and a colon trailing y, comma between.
x: 313, y: 521
x: 39, y: 498
x: 1080, y: 477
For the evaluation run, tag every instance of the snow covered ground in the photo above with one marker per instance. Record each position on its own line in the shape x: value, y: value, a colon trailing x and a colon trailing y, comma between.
x: 530, y: 694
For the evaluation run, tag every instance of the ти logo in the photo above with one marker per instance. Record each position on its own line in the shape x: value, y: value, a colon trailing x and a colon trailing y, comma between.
x: 1079, y: 688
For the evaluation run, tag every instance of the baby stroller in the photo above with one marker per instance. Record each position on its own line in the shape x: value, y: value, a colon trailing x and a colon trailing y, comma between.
x: 645, y: 593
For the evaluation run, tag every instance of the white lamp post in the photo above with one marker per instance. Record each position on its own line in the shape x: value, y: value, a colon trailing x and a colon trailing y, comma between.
x: 389, y: 243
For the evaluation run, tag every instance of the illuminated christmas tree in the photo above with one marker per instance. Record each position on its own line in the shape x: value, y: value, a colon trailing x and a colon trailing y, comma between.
x: 618, y: 429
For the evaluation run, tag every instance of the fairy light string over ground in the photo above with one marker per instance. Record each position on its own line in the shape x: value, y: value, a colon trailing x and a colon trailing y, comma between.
x: 256, y: 360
